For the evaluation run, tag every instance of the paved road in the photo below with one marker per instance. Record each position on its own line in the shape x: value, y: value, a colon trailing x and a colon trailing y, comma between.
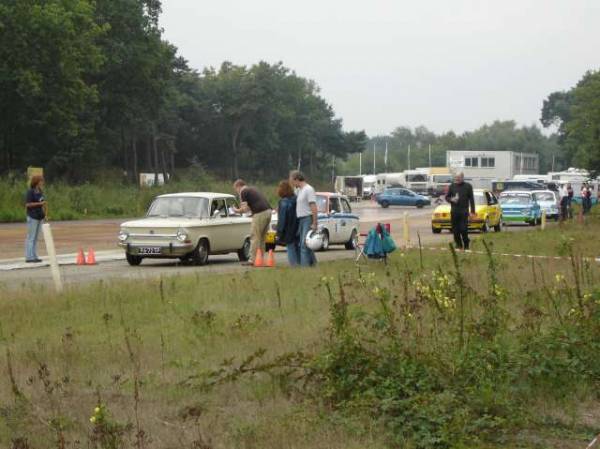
x: 71, y: 235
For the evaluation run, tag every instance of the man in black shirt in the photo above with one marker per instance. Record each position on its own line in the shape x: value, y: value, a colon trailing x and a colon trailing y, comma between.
x: 255, y: 202
x: 460, y: 196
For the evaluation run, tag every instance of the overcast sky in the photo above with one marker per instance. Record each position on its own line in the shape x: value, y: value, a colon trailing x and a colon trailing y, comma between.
x: 445, y: 64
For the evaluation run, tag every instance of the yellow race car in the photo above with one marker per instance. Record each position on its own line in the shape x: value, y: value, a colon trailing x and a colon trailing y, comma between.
x: 487, y: 208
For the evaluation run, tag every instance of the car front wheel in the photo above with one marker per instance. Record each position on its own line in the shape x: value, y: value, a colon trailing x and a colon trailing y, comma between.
x: 200, y: 253
x: 385, y: 204
x: 352, y: 243
x: 132, y: 260
x: 498, y: 227
x: 436, y: 231
x: 486, y: 226
x: 244, y: 252
x: 325, y: 246
x: 420, y: 204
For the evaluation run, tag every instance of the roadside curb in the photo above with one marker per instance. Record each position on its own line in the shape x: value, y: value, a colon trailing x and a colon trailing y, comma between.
x: 63, y: 260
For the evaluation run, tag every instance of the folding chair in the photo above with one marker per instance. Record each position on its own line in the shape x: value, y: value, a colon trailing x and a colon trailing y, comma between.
x: 360, y: 247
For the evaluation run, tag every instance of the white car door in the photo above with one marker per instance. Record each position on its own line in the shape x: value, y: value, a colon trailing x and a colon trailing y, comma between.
x: 239, y: 225
x: 335, y: 220
x: 219, y: 226
x: 350, y: 221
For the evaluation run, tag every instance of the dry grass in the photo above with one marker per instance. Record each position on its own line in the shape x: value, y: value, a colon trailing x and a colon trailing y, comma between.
x: 69, y: 352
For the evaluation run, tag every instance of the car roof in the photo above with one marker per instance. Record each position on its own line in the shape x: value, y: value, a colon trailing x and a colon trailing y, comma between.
x: 330, y: 194
x: 521, y: 192
x: 542, y: 191
x: 207, y: 195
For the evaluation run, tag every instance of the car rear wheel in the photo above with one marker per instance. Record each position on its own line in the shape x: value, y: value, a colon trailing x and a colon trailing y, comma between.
x: 200, y: 254
x: 244, y: 252
x: 325, y: 246
x: 353, y: 242
x: 132, y: 260
x: 436, y: 231
x: 532, y: 222
x: 385, y: 204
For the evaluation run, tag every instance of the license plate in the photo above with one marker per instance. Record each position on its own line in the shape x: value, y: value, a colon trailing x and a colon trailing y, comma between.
x: 149, y: 251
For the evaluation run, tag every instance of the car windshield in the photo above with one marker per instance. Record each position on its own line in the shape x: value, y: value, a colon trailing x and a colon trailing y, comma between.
x: 322, y: 204
x: 515, y: 199
x: 545, y: 196
x: 179, y: 207
x: 442, y: 179
x: 416, y: 178
x: 480, y: 199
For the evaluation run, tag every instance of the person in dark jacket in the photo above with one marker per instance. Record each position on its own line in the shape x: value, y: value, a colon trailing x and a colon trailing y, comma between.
x: 287, y: 222
x: 461, y: 199
x: 35, y: 206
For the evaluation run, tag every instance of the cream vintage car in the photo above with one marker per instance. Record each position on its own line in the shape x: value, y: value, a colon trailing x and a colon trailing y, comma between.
x: 187, y: 226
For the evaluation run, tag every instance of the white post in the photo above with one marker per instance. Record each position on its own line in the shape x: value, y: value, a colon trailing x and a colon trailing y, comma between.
x: 409, y: 157
x: 385, y: 158
x: 429, y: 155
x: 52, y: 256
x: 359, y: 164
x: 405, y: 229
x: 374, y: 164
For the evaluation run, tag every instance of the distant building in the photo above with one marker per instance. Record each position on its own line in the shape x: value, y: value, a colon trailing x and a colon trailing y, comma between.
x: 483, y: 166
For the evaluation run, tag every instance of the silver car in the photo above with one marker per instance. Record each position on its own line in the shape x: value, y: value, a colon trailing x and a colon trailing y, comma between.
x: 548, y: 201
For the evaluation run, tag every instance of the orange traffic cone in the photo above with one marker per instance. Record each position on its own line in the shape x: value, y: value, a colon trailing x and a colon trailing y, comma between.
x: 80, y: 258
x: 91, y: 257
x: 258, y: 260
x: 271, y: 259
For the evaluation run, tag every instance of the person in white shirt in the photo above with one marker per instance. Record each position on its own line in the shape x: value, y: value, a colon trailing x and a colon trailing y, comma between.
x: 563, y: 194
x: 307, y: 213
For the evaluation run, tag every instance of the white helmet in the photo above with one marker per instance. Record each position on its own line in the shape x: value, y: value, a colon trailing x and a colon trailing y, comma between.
x: 314, y: 240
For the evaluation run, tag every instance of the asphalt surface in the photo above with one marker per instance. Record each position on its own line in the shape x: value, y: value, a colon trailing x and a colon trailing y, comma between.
x: 113, y: 266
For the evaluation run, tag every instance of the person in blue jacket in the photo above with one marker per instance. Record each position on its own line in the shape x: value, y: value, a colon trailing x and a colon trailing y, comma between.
x: 287, y: 222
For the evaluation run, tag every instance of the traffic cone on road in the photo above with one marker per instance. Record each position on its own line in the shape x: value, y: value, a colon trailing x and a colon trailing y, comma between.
x: 258, y: 260
x: 80, y: 260
x: 271, y: 259
x: 91, y: 257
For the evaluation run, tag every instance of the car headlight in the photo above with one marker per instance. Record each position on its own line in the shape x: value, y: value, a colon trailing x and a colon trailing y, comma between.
x: 182, y: 236
x: 526, y: 211
x: 123, y: 235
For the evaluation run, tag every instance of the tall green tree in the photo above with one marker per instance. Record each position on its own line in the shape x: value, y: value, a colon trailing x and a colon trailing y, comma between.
x: 48, y: 57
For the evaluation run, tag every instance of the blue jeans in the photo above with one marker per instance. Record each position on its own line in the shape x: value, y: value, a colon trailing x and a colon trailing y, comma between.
x: 33, y: 230
x: 307, y: 255
x: 293, y: 253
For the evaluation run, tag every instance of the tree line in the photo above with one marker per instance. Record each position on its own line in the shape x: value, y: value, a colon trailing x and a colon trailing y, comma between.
x: 572, y: 116
x: 87, y: 85
x: 418, y: 147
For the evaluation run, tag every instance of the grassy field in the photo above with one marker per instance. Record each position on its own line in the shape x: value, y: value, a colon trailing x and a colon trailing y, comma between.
x: 431, y: 351
x: 105, y: 197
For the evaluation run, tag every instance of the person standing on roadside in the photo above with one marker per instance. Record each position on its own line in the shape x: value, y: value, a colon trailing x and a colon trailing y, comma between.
x: 307, y: 213
x: 35, y: 205
x: 570, y: 200
x: 563, y: 195
x: 461, y: 199
x: 254, y: 201
x: 287, y: 222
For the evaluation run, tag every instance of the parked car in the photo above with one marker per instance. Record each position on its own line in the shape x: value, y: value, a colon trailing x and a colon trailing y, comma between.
x: 337, y: 222
x: 548, y: 201
x: 187, y: 226
x: 520, y: 207
x: 487, y: 209
x: 401, y: 197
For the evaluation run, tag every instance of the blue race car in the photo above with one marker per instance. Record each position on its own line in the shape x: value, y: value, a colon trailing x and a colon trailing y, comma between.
x: 520, y: 207
x: 398, y: 196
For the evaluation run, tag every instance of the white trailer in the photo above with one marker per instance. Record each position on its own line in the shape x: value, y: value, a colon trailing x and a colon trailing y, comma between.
x: 350, y: 186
